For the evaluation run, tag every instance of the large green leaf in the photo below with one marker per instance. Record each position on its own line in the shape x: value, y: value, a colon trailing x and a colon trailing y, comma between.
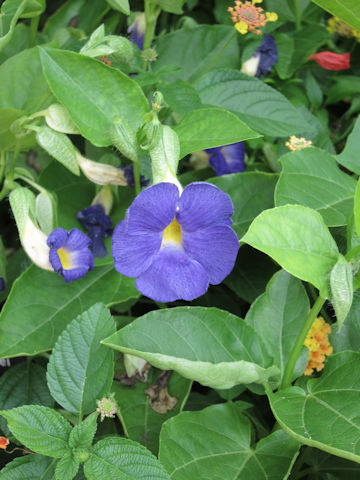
x: 312, y: 178
x: 297, y: 238
x: 208, y: 345
x: 80, y: 370
x: 7, y: 138
x: 29, y: 467
x: 93, y: 93
x: 23, y: 384
x: 124, y: 460
x: 349, y: 336
x: 278, y: 316
x: 140, y: 421
x: 23, y: 86
x: 41, y: 305
x: 325, y: 413
x: 10, y: 12
x: 261, y: 107
x: 211, y: 46
x: 216, y: 443
x: 349, y: 157
x: 341, y: 283
x: 347, y: 10
x: 210, y: 127
x: 250, y: 192
x: 41, y: 429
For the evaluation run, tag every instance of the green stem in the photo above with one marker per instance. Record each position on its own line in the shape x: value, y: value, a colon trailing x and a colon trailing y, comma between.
x: 289, y: 370
x: 161, y: 305
x: 2, y: 165
x: 10, y: 175
x: 314, y: 297
x: 137, y: 178
x: 31, y: 183
x: 297, y: 14
x: 151, y: 15
x: 33, y: 30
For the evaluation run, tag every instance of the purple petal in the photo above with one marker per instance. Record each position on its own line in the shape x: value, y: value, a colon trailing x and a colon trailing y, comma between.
x: 74, y: 274
x: 268, y: 55
x: 204, y: 205
x: 153, y: 209
x: 173, y: 276
x: 57, y: 238
x: 228, y: 159
x: 137, y: 31
x: 215, y: 248
x: 55, y: 260
x: 77, y: 240
x: 133, y: 254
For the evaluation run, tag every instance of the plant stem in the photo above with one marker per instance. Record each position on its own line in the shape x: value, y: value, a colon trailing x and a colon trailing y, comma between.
x: 289, y: 370
x: 314, y: 297
x: 2, y: 165
x: 10, y: 175
x: 151, y: 15
x: 297, y: 14
x: 137, y: 178
x: 33, y: 30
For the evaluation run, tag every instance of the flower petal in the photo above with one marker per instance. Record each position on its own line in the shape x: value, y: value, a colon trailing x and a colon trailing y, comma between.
x: 77, y: 240
x: 153, y: 209
x: 57, y: 238
x: 215, y: 248
x: 228, y: 159
x: 133, y: 254
x: 204, y: 205
x: 173, y: 276
x: 75, y: 273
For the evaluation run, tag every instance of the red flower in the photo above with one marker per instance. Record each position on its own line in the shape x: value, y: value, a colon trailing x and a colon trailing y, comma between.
x: 4, y: 442
x: 331, y: 60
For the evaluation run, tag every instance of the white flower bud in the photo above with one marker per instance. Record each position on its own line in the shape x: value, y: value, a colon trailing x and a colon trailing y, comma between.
x: 34, y: 242
x: 250, y: 66
x: 100, y: 173
x: 104, y: 198
x: 134, y: 365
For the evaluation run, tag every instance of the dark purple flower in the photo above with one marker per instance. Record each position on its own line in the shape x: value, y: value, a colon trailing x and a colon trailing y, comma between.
x: 70, y: 255
x: 2, y: 284
x: 176, y: 245
x: 268, y: 55
x: 227, y: 159
x: 129, y: 175
x: 98, y: 226
x: 137, y: 31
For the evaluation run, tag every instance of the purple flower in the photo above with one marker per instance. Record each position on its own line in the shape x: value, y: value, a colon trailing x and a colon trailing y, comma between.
x: 268, y: 55
x: 137, y: 30
x: 129, y: 175
x: 2, y: 284
x: 227, y: 159
x: 70, y: 255
x: 176, y: 245
x: 98, y: 226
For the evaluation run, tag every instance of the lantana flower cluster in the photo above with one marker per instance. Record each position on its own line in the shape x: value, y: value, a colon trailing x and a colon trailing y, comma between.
x: 296, y: 143
x: 335, y: 25
x: 247, y: 17
x: 317, y: 341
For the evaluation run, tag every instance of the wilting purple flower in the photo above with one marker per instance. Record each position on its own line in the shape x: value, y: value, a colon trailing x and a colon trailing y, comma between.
x: 176, y: 245
x: 265, y: 56
x: 227, y: 159
x: 137, y: 30
x: 70, y: 255
x: 129, y: 175
x: 98, y: 226
x: 2, y: 284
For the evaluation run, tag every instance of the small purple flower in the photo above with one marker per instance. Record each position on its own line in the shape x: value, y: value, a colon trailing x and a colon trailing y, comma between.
x: 98, y: 226
x: 129, y: 175
x: 176, y: 245
x: 137, y: 31
x: 227, y: 159
x: 2, y: 284
x: 268, y: 55
x: 70, y: 255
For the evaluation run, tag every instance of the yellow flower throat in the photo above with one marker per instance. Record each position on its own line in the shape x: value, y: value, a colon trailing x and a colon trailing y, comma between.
x: 65, y: 258
x: 172, y: 233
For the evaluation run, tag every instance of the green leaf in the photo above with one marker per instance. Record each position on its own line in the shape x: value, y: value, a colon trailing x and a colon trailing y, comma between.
x: 325, y: 414
x: 347, y: 10
x: 344, y: 88
x: 23, y: 86
x: 93, y: 93
x: 349, y: 336
x: 357, y: 208
x: 29, y: 467
x: 74, y: 377
x: 33, y: 8
x: 28, y: 327
x: 250, y: 192
x: 297, y: 238
x: 10, y: 12
x: 278, y: 316
x: 60, y: 147
x: 120, y: 5
x: 341, y: 283
x: 208, y: 345
x: 7, y: 138
x: 67, y: 467
x: 23, y: 384
x: 171, y: 6
x: 261, y: 107
x: 82, y: 435
x: 215, y: 443
x: 180, y: 96
x: 312, y: 178
x: 348, y: 158
x: 62, y: 16
x: 41, y: 429
x: 211, y: 46
x: 141, y: 422
x: 336, y: 468
x: 210, y: 127
x: 122, y: 459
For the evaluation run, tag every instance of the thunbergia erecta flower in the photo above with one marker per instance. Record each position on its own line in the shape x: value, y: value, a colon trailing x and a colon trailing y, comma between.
x: 137, y: 30
x: 227, y: 159
x: 98, y: 226
x: 69, y: 254
x: 176, y: 245
x: 265, y: 56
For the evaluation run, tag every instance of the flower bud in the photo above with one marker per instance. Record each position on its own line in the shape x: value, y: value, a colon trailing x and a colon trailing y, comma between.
x: 100, y: 173
x: 58, y: 118
x: 104, y: 198
x: 124, y: 139
x: 134, y: 365
x: 250, y: 67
